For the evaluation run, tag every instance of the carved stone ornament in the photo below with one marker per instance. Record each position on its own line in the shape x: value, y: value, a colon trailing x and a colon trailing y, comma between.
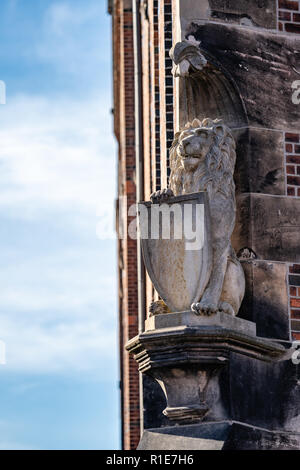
x: 202, y: 160
x: 187, y: 58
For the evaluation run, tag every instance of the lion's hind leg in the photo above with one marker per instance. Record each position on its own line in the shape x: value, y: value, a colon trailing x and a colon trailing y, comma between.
x: 233, y: 287
x: 226, y: 308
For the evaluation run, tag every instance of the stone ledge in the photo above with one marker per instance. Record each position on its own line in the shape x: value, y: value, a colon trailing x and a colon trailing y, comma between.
x: 189, y: 318
x: 198, y: 345
x: 225, y: 435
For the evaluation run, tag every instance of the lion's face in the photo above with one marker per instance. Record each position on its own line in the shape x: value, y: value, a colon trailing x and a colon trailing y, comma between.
x: 202, y: 157
x: 193, y: 146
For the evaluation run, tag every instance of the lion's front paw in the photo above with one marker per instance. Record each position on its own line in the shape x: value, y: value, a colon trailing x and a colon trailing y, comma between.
x: 161, y: 196
x: 204, y: 308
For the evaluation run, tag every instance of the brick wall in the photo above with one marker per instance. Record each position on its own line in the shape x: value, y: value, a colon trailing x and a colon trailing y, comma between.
x: 292, y: 159
x: 289, y: 16
x: 154, y: 94
x: 289, y: 22
x: 294, y: 299
x: 165, y: 86
x: 124, y: 126
x: 168, y: 39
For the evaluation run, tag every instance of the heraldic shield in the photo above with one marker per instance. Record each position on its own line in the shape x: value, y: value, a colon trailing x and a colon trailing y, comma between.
x: 176, y: 244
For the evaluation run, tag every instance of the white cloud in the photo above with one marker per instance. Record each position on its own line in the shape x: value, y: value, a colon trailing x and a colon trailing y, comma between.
x: 57, y: 172
x: 61, y: 319
x: 82, y: 345
x: 67, y: 282
x: 56, y: 155
x: 57, y: 163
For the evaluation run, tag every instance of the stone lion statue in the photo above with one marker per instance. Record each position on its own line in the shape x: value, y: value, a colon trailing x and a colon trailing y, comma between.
x: 202, y: 158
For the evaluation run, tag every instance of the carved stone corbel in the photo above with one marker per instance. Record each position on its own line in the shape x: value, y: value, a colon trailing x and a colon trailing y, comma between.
x: 187, y: 58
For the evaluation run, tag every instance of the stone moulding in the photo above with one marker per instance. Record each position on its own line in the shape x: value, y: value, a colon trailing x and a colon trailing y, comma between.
x: 187, y: 361
x: 198, y: 345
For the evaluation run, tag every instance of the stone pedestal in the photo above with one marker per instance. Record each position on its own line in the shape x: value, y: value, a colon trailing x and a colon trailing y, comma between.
x: 189, y: 356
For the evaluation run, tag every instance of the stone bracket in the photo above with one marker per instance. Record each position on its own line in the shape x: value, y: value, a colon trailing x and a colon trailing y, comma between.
x: 187, y: 361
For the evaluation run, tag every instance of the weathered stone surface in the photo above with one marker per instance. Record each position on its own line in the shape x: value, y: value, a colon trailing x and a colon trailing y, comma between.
x: 225, y: 435
x: 189, y: 10
x: 251, y: 13
x: 260, y: 161
x: 154, y: 402
x: 190, y: 364
x: 211, y: 93
x: 269, y: 225
x: 254, y: 392
x: 266, y: 298
x: 190, y: 319
x: 261, y: 64
x: 191, y: 437
x: 264, y: 394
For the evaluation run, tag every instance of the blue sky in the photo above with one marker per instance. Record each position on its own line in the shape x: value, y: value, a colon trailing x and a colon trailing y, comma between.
x: 58, y: 313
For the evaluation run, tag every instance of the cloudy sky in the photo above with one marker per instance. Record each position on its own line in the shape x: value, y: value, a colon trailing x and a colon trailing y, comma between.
x: 59, y: 387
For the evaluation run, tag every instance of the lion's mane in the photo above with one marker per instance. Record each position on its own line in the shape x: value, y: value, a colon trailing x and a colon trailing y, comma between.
x: 219, y: 161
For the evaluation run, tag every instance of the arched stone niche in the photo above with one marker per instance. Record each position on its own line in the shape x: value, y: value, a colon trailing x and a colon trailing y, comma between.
x: 211, y: 92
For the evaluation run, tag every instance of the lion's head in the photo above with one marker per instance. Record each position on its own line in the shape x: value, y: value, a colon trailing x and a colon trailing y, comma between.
x: 202, y: 157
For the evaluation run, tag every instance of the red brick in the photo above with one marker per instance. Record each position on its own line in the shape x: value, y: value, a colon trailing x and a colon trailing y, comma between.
x: 293, y: 180
x: 296, y: 336
x: 296, y: 17
x: 288, y: 5
x: 295, y: 303
x: 290, y: 137
x: 295, y: 314
x: 290, y: 191
x: 293, y: 159
x: 284, y: 15
x: 293, y: 291
x: 290, y: 169
x: 295, y: 269
x: 289, y: 148
x: 292, y: 28
x: 130, y: 187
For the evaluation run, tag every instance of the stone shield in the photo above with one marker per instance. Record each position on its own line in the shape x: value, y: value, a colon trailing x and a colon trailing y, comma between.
x: 175, y: 238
